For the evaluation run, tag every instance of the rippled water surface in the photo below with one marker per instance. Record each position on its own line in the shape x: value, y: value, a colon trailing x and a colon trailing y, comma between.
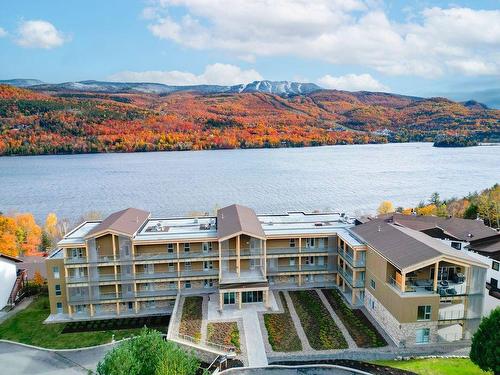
x: 353, y: 179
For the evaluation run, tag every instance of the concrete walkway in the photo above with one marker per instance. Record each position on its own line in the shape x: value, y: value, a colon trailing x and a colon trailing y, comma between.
x: 19, y: 307
x: 298, y: 326
x: 17, y: 359
x: 350, y: 342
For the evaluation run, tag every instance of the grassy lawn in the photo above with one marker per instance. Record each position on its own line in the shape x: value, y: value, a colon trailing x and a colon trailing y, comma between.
x: 358, y: 326
x: 224, y: 333
x: 27, y: 327
x: 192, y: 316
x: 280, y: 330
x: 436, y: 366
x: 321, y: 331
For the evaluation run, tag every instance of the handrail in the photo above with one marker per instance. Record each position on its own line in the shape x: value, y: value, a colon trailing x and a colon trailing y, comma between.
x: 224, y: 348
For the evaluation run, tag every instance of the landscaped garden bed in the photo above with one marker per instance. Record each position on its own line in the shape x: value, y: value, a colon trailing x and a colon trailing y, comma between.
x: 321, y: 331
x: 160, y: 323
x: 359, y: 327
x: 281, y: 331
x: 192, y: 315
x: 27, y: 327
x: 224, y: 333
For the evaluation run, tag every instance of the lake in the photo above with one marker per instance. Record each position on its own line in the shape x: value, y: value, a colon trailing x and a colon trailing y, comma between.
x: 352, y: 179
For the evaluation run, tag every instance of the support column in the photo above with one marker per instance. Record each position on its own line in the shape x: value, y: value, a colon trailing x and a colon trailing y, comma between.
x: 238, y: 264
x: 239, y: 300
x: 220, y: 261
x: 265, y: 257
x: 221, y: 300
x: 136, y: 307
x: 118, y: 308
x: 91, y: 310
x: 403, y: 282
x: 114, y: 247
x: 435, y: 281
x: 266, y: 299
x: 178, y: 267
x: 70, y: 311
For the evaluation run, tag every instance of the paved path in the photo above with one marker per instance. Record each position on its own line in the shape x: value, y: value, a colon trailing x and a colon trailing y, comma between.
x: 256, y: 351
x: 19, y: 307
x: 20, y: 360
x: 350, y: 342
x: 296, y: 322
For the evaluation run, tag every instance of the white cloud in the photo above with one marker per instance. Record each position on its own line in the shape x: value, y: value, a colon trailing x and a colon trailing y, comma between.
x: 39, y: 34
x: 215, y: 74
x: 340, y: 32
x: 352, y: 82
x: 2, y: 32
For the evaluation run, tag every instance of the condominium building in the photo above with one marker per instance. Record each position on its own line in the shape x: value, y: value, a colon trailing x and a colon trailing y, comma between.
x: 133, y: 265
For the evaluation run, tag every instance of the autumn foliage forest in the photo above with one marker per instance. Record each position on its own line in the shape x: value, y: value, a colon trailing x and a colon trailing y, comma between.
x: 33, y: 122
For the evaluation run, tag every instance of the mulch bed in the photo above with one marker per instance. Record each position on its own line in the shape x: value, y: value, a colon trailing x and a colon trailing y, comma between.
x: 363, y: 366
x: 319, y: 327
x: 224, y: 333
x: 192, y: 316
x: 358, y: 325
x: 281, y: 331
x: 160, y: 323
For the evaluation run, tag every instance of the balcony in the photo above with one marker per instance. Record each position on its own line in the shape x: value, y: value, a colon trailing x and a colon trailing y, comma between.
x: 282, y: 250
x: 77, y: 279
x: 198, y: 254
x: 349, y: 259
x: 278, y: 269
x: 246, y: 276
x: 80, y: 299
x: 349, y: 279
x: 316, y: 267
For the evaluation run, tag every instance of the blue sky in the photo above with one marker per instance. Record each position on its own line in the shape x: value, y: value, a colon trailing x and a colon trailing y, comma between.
x: 410, y: 47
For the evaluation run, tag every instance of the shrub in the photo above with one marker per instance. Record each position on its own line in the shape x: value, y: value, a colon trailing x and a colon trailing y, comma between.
x: 148, y: 354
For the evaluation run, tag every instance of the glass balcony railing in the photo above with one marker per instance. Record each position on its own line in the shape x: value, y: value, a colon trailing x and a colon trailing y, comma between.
x: 154, y: 256
x: 357, y: 283
x: 203, y: 272
x: 360, y: 262
x: 282, y: 250
x: 154, y: 275
x: 322, y: 249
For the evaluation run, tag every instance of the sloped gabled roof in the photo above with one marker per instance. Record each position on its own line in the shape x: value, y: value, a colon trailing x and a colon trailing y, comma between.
x: 127, y: 222
x: 236, y: 219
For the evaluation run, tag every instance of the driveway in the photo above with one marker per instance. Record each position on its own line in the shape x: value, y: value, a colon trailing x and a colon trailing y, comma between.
x: 19, y: 360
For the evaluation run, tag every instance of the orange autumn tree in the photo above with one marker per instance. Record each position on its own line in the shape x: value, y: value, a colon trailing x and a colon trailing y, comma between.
x: 28, y: 233
x: 8, y: 238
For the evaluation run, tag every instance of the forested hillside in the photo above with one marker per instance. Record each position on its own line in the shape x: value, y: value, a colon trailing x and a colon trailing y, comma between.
x: 35, y: 122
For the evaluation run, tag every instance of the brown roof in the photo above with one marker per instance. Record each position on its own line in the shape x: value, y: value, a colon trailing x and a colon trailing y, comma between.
x: 404, y: 247
x: 490, y: 247
x: 462, y: 229
x: 235, y: 219
x: 127, y: 221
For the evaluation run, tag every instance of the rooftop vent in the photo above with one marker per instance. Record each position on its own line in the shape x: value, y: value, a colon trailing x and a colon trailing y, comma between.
x: 318, y: 224
x: 205, y: 226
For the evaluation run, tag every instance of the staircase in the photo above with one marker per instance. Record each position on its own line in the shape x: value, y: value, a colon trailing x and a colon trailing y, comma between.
x: 15, y: 295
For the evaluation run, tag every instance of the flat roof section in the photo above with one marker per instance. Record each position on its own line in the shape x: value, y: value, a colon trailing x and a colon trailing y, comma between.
x: 77, y: 235
x: 178, y: 228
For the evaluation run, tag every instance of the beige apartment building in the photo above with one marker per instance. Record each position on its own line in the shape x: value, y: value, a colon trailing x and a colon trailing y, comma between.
x: 130, y: 264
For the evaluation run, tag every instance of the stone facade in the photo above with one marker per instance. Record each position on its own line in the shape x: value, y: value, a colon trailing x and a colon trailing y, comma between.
x: 404, y: 335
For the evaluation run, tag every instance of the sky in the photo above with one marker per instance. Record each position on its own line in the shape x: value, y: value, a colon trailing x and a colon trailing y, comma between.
x: 423, y: 48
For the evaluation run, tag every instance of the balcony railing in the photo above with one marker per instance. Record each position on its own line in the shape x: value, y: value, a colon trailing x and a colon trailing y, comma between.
x: 278, y: 269
x: 155, y: 256
x: 282, y: 250
x: 358, y: 283
x: 360, y: 262
x: 203, y: 272
x: 157, y: 293
x: 322, y: 249
x: 75, y: 260
x: 77, y: 279
x: 452, y: 315
x: 417, y: 286
x: 155, y: 275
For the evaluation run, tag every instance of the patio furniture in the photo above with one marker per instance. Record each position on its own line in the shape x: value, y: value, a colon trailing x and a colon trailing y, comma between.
x: 443, y: 283
x: 459, y: 278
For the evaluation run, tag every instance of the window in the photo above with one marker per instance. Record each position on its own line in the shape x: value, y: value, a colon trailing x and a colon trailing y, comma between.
x: 229, y: 298
x: 171, y: 285
x: 310, y: 242
x: 187, y: 285
x: 208, y: 265
x: 170, y: 248
x: 309, y: 260
x: 149, y: 268
x: 58, y: 289
x: 456, y: 245
x: 187, y: 266
x: 55, y: 272
x: 251, y: 297
x: 422, y: 336
x: 59, y: 307
x: 207, y: 247
x: 372, y: 283
x: 291, y: 262
x: 130, y: 305
x: 291, y: 279
x: 171, y: 267
x: 494, y: 283
x: 187, y: 247
x: 424, y: 312
x: 372, y: 304
x: 208, y: 283
x: 77, y: 253
x: 292, y: 242
x: 495, y: 265
x: 321, y: 243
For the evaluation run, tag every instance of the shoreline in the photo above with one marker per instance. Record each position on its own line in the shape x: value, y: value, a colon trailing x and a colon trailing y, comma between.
x: 480, y: 144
